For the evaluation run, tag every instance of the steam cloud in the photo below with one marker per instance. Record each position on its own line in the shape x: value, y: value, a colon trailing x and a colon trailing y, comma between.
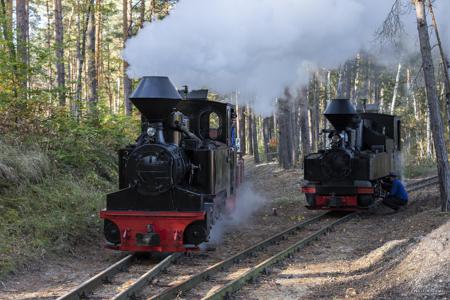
x: 248, y: 201
x: 257, y: 46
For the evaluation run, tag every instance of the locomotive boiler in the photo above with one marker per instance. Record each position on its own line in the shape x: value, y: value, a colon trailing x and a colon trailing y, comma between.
x: 179, y: 176
x: 364, y: 147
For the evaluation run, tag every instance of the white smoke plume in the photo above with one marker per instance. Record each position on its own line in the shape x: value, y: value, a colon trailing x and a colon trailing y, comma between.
x: 256, y: 46
x: 248, y: 202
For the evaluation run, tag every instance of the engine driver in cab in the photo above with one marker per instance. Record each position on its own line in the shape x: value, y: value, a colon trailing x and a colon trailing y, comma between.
x: 397, y: 196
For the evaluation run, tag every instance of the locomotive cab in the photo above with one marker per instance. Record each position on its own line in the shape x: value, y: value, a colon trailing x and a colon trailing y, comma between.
x: 363, y: 149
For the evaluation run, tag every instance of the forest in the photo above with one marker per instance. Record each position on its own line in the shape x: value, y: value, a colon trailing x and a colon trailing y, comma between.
x: 64, y: 109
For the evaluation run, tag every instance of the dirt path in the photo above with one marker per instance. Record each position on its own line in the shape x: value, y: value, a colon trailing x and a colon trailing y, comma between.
x: 58, y: 274
x: 381, y: 255
x: 372, y: 257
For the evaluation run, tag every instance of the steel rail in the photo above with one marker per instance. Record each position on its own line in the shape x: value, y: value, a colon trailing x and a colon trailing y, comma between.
x: 235, y: 285
x: 263, y: 267
x: 193, y: 281
x: 132, y: 290
x: 83, y: 290
x: 422, y: 183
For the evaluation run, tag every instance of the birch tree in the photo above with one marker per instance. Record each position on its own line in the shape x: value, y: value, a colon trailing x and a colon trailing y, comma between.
x: 395, y: 93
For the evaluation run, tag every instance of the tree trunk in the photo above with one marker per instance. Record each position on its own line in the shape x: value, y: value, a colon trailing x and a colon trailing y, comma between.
x: 22, y: 27
x: 98, y: 42
x: 428, y: 136
x: 81, y: 52
x: 6, y: 18
x: 266, y: 138
x: 126, y: 24
x: 304, y: 132
x: 348, y: 79
x: 92, y: 67
x: 242, y: 130
x: 142, y: 14
x: 285, y: 136
x: 357, y: 68
x: 395, y: 93
x: 49, y: 36
x: 315, y: 112
x: 433, y: 105
x: 255, y: 140
x: 59, y: 51
x: 443, y: 61
x: 250, y: 131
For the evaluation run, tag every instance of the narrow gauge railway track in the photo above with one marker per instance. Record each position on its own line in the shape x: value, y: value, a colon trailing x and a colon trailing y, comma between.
x: 227, y: 276
x: 224, y: 288
x: 420, y: 184
x: 86, y: 289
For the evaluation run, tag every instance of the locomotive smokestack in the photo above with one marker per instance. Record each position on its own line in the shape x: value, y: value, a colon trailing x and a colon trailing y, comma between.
x: 341, y: 114
x: 153, y: 88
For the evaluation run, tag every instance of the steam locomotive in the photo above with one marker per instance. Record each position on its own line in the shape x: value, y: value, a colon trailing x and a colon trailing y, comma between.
x: 364, y: 147
x: 182, y: 173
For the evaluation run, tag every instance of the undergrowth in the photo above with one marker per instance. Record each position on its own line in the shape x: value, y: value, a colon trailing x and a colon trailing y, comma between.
x: 53, y: 183
x: 419, y: 168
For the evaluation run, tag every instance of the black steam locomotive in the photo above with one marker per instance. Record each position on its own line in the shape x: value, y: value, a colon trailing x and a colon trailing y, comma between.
x: 364, y: 147
x: 181, y: 174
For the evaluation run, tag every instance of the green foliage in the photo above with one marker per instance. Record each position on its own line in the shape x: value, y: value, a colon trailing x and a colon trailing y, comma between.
x: 52, y: 216
x: 420, y: 168
x: 53, y: 182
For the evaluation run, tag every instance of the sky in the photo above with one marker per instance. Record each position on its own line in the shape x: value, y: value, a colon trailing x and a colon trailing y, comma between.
x: 260, y: 47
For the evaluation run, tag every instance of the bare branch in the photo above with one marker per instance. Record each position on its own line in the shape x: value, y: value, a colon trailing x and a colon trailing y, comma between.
x: 393, y: 28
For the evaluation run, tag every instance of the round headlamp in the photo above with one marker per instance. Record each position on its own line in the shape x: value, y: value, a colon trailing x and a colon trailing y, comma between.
x: 151, y: 131
x: 335, y: 138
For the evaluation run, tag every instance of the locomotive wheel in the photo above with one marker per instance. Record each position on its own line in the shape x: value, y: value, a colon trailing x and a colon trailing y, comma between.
x: 196, y: 233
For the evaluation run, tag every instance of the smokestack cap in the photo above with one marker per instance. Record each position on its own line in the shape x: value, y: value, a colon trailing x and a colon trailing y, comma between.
x: 155, y: 87
x: 341, y: 114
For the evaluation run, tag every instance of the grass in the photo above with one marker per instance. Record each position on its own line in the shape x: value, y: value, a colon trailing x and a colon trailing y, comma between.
x: 50, y: 199
x: 20, y: 165
x: 54, y: 174
x: 49, y: 216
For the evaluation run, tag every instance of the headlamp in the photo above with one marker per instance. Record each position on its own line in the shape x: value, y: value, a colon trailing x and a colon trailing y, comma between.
x: 151, y: 131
